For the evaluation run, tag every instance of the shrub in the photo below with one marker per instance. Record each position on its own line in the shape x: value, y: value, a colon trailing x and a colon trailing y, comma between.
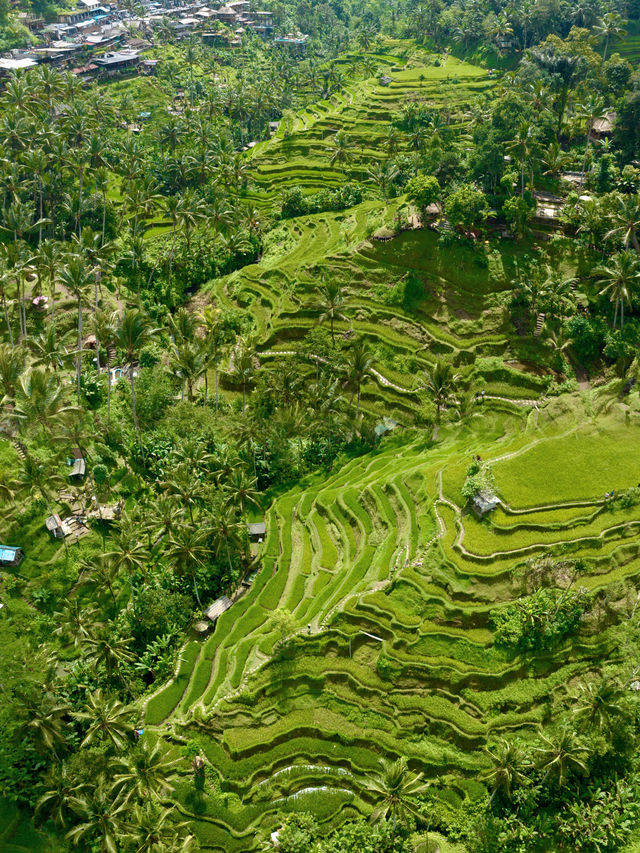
x: 540, y: 621
x: 296, y: 203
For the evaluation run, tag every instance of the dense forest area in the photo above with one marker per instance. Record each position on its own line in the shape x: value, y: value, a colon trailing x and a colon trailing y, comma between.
x: 130, y: 342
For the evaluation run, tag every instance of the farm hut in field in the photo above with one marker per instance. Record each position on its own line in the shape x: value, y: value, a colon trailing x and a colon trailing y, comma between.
x: 10, y: 556
x: 220, y: 606
x: 54, y: 526
x: 483, y: 503
x: 257, y: 531
x: 78, y: 469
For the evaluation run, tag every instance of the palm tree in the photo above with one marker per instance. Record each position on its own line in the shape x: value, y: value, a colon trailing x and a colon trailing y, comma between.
x: 508, y: 766
x: 561, y: 755
x: 396, y: 787
x: 330, y: 303
x: 341, y: 152
x: 76, y: 277
x: 626, y: 221
x: 188, y: 547
x: 564, y: 69
x: 440, y: 383
x: 524, y: 146
x: 188, y: 362
x: 591, y: 110
x: 40, y: 400
x: 108, y: 720
x: 243, y: 365
x: 185, y: 484
x: 100, y: 572
x: 620, y: 279
x: 113, y: 654
x: 611, y: 26
x: 62, y: 796
x: 241, y: 490
x: 383, y: 175
x: 132, y: 334
x: 105, y: 328
x: 48, y: 349
x: 599, y: 703
x: 165, y: 515
x: 358, y: 369
x: 143, y: 773
x: 76, y: 622
x: 101, y: 817
x: 129, y: 553
x: 152, y: 831
x: 43, y: 722
x: 13, y: 361
x: 37, y: 478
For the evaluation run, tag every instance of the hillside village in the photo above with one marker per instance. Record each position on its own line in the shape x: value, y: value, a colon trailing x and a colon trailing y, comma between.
x: 102, y: 40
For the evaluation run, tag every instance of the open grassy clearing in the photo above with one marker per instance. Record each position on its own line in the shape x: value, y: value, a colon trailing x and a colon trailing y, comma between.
x: 372, y: 550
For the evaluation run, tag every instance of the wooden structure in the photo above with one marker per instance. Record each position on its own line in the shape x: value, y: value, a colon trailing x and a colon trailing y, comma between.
x: 257, y: 531
x: 483, y: 503
x: 220, y: 606
x: 10, y: 556
x: 54, y: 526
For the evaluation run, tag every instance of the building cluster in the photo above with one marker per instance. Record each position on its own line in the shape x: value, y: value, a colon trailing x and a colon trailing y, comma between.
x: 94, y: 39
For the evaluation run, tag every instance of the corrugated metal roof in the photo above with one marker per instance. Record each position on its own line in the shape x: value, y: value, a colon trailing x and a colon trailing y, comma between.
x: 218, y: 608
x: 8, y: 553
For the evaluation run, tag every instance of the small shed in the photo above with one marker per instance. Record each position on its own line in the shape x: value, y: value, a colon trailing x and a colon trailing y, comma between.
x: 220, y: 606
x: 483, y: 503
x: 385, y: 80
x: 10, y: 556
x: 79, y: 469
x: 257, y: 531
x: 54, y: 525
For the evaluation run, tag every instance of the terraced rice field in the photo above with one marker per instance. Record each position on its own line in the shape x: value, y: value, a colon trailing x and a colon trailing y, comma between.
x: 391, y: 583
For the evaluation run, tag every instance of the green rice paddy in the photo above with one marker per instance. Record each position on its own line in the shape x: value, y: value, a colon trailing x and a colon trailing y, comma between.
x: 390, y: 580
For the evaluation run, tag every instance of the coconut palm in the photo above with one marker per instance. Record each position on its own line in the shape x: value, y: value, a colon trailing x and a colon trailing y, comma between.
x: 112, y: 653
x: 341, y: 150
x: 598, y: 703
x: 143, y: 773
x: 105, y: 328
x: 108, y: 720
x: 37, y: 478
x: 358, y: 368
x: 188, y: 362
x: 101, y: 817
x: 152, y: 830
x: 610, y: 26
x: 508, y: 768
x: 188, y: 547
x: 620, y: 279
x: 62, y: 797
x: 129, y: 553
x: 524, y: 147
x: 396, y: 788
x: 100, y: 572
x: 331, y: 300
x: 43, y: 722
x: 240, y: 490
x: 440, y: 383
x: 589, y: 111
x: 185, y: 484
x: 40, y: 400
x: 561, y: 755
x: 626, y: 221
x: 214, y: 341
x: 76, y: 622
x: 76, y: 276
x: 48, y: 348
x: 132, y: 334
x: 13, y: 361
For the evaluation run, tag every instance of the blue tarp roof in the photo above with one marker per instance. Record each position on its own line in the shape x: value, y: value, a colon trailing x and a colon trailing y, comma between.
x: 7, y: 553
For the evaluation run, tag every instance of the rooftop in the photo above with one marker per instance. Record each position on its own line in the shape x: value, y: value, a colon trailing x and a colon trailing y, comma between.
x: 218, y: 608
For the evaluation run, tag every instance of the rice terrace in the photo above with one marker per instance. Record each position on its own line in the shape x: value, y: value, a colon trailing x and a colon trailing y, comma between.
x: 320, y: 427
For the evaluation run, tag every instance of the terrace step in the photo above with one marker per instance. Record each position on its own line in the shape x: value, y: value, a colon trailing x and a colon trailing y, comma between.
x: 539, y: 325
